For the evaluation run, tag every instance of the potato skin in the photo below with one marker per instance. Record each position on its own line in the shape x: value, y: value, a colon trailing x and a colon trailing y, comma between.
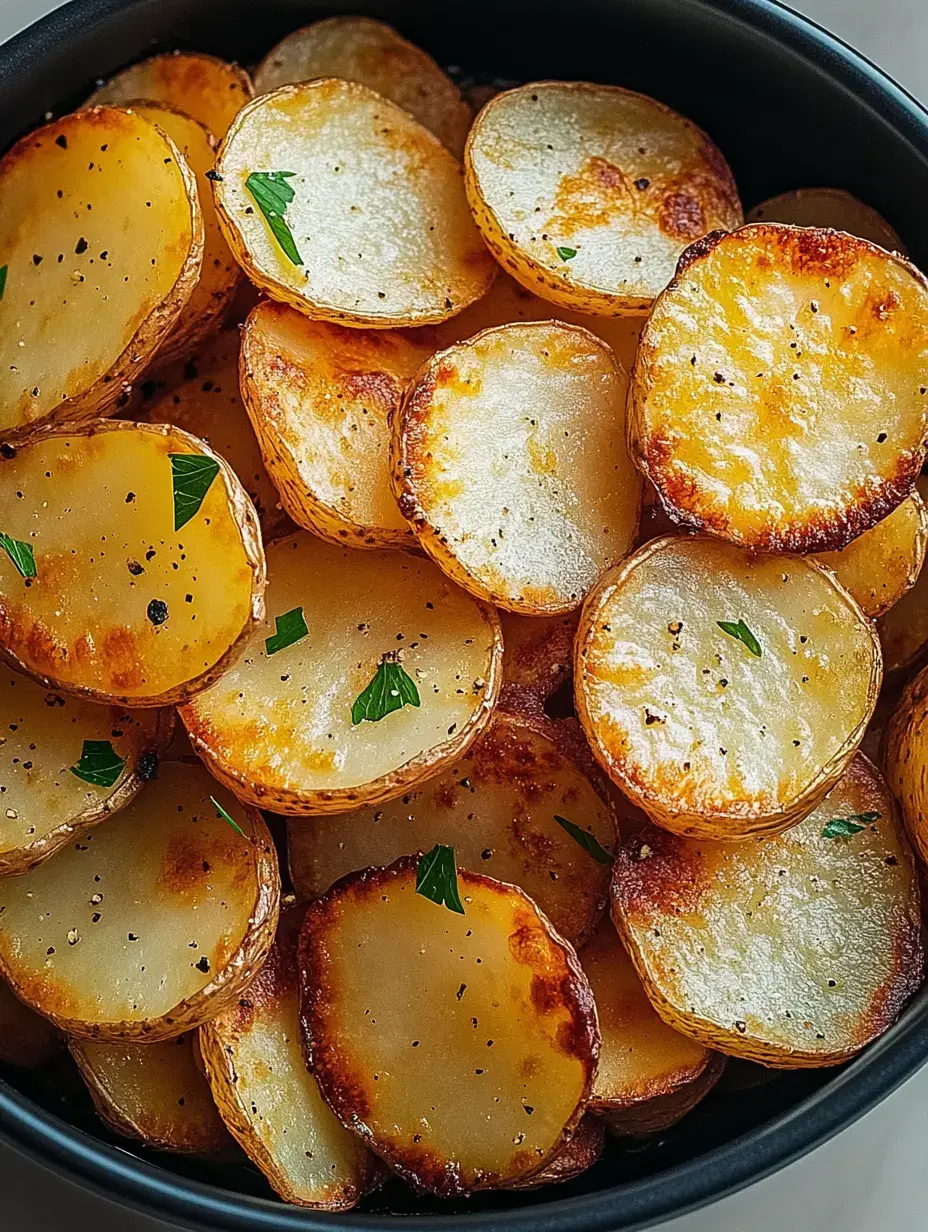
x: 580, y: 1153
x: 660, y: 1112
x: 905, y: 756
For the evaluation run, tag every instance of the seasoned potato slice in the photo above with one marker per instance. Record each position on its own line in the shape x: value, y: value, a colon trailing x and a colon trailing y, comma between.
x: 828, y: 207
x: 151, y: 923
x: 509, y: 460
x: 598, y: 222
x: 153, y: 1092
x: 880, y: 566
x: 724, y: 732
x: 793, y: 950
x: 123, y: 607
x: 253, y: 1057
x: 904, y: 628
x: 101, y: 225
x: 538, y: 655
x: 370, y: 52
x: 779, y: 394
x: 44, y: 800
x: 375, y: 227
x: 284, y: 730
x: 581, y: 1152
x: 27, y: 1040
x: 906, y: 760
x: 210, y: 90
x: 439, y: 1083
x: 496, y: 806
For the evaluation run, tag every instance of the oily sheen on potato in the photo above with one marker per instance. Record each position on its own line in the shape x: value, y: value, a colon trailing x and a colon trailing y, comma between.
x: 715, y: 732
x: 485, y: 1016
x: 372, y: 223
x: 152, y: 921
x: 795, y: 950
x: 780, y: 392
x: 828, y: 207
x: 509, y: 461
x: 123, y: 608
x: 283, y: 728
x: 588, y: 194
x: 102, y: 248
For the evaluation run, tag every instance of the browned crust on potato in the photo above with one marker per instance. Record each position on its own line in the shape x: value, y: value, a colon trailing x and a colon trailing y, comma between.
x: 580, y: 1153
x: 658, y: 1113
x: 540, y: 664
x: 904, y: 730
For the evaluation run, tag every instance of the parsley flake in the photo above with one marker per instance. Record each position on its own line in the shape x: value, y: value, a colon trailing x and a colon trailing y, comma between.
x: 221, y: 812
x: 3, y: 270
x: 272, y: 195
x: 587, y: 841
x: 289, y: 629
x: 741, y: 633
x: 437, y: 878
x: 21, y: 554
x: 844, y: 827
x: 100, y: 764
x: 192, y: 474
x: 566, y: 254
x: 391, y: 689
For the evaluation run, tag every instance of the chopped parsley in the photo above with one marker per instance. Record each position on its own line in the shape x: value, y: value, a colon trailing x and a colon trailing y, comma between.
x: 272, y: 195
x: 587, y: 841
x: 192, y: 474
x: 100, y: 764
x: 221, y: 812
x: 437, y: 878
x: 844, y: 827
x: 741, y: 633
x: 391, y: 689
x: 289, y: 629
x: 3, y: 270
x: 21, y: 554
x: 566, y: 254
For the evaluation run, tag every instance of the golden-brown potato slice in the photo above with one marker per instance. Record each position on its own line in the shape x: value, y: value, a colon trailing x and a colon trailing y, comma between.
x: 794, y: 950
x: 714, y: 732
x: 377, y: 229
x: 654, y: 1116
x: 779, y: 393
x: 27, y: 1040
x: 210, y: 90
x: 496, y: 806
x: 253, y: 1057
x: 152, y: 922
x: 828, y: 207
x: 153, y: 1092
x: 906, y: 760
x: 124, y: 608
x: 538, y: 654
x: 43, y: 803
x: 370, y: 52
x: 202, y: 397
x: 279, y: 728
x: 476, y: 1080
x: 581, y: 1152
x: 904, y: 628
x: 588, y: 194
x: 884, y: 562
x: 509, y: 460
x: 102, y: 247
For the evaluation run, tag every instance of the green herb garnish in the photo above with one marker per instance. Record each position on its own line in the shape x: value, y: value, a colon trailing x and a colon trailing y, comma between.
x: 566, y: 254
x: 21, y: 554
x: 221, y: 812
x: 587, y: 841
x: 741, y: 633
x: 3, y: 270
x: 290, y: 628
x: 437, y: 878
x: 100, y: 764
x: 844, y: 827
x: 272, y: 195
x: 192, y: 474
x: 391, y: 689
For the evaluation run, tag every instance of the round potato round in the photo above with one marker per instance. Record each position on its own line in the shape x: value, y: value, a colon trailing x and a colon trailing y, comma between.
x: 904, y: 628
x: 509, y: 461
x: 123, y: 608
x: 905, y: 748
x: 828, y: 207
x: 27, y: 1040
x: 371, y: 53
x: 795, y: 950
x: 150, y: 924
x: 724, y: 693
x: 440, y: 1083
x: 289, y: 728
x: 364, y: 218
x: 780, y: 393
x: 101, y: 227
x: 588, y: 194
x: 581, y: 1152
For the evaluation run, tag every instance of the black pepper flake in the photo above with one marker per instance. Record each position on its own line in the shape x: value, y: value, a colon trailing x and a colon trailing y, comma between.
x: 130, y: 497
x: 642, y: 184
x: 62, y: 141
x: 81, y: 246
x: 157, y: 612
x: 7, y: 451
x: 203, y: 965
x: 134, y: 567
x: 214, y: 176
x: 147, y: 766
x: 460, y: 992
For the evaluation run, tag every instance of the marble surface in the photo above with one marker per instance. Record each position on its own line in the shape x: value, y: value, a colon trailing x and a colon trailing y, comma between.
x: 873, y: 1176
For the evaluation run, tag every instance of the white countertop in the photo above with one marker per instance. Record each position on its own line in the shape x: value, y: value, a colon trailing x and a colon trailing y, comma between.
x: 871, y: 1177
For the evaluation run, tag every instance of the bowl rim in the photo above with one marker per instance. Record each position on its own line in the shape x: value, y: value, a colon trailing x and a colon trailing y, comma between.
x: 135, y: 1183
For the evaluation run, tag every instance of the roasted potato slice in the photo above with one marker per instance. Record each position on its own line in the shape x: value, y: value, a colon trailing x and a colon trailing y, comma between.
x: 538, y: 655
x: 509, y: 461
x: 439, y: 1079
x: 364, y: 218
x: 253, y: 1057
x: 906, y: 758
x: 27, y: 1040
x: 724, y: 693
x: 206, y: 88
x: 152, y: 922
x: 598, y: 222
x: 51, y: 786
x: 123, y: 608
x: 757, y: 948
x: 581, y: 1152
x: 828, y: 207
x: 101, y: 225
x: 370, y: 52
x: 286, y: 729
x: 655, y: 1116
x: 779, y: 393
x: 904, y: 628
x: 153, y: 1092
x: 497, y: 807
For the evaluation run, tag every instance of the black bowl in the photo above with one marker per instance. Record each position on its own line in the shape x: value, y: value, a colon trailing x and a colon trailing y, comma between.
x: 790, y: 106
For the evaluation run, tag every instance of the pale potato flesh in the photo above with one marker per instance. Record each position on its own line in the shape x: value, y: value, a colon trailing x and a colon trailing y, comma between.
x: 828, y: 207
x: 27, y: 1040
x: 708, y: 738
x: 794, y: 950
x: 780, y: 393
x: 379, y: 216
x: 97, y: 507
x: 906, y: 760
x: 100, y: 226
x: 482, y: 1017
x: 904, y: 628
x: 496, y: 806
x: 510, y: 462
x: 372, y: 53
x: 618, y: 182
x: 278, y: 728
